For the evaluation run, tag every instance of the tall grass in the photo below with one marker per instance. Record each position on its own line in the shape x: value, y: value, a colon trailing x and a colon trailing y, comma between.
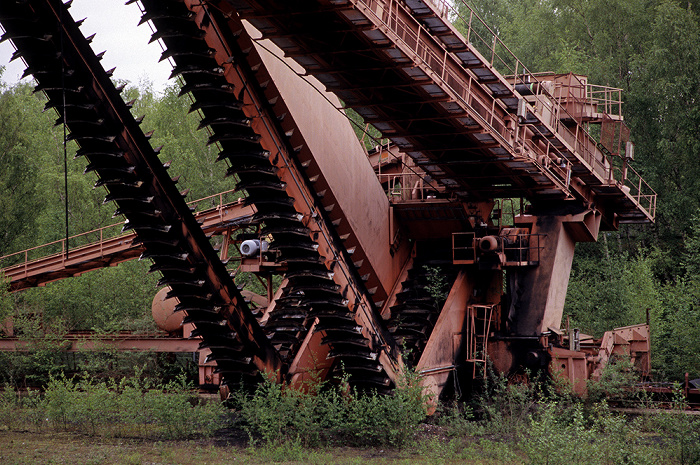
x: 333, y: 413
x: 129, y: 407
x: 508, y: 424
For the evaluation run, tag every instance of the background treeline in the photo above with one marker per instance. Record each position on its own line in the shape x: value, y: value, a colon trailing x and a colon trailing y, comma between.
x: 649, y: 48
x: 32, y: 210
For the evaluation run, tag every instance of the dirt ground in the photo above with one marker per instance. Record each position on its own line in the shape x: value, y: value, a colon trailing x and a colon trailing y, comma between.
x: 70, y: 448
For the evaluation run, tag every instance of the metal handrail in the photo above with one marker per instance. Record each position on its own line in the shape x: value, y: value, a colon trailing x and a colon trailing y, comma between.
x: 527, y: 246
x: 583, y: 145
x: 101, y: 232
x: 404, y: 186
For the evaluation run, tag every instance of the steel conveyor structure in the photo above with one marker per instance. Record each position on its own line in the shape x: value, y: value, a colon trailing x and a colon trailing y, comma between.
x: 415, y: 258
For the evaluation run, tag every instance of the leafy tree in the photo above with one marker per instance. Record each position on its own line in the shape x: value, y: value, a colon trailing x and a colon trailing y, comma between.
x: 665, y: 113
x: 183, y: 143
x: 110, y: 299
x: 19, y: 128
x: 609, y: 289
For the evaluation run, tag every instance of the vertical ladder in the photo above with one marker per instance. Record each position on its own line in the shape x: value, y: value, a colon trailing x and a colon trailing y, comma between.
x: 479, y: 319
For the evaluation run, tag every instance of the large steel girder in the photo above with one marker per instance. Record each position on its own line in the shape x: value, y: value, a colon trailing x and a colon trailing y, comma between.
x: 413, y: 112
x: 69, y: 72
x: 325, y: 315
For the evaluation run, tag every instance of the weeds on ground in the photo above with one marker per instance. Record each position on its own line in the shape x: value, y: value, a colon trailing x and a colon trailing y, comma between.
x: 21, y: 412
x: 505, y: 407
x: 617, y: 383
x: 509, y: 424
x: 124, y: 408
x: 678, y: 431
x: 537, y: 424
x: 599, y: 438
x: 327, y: 413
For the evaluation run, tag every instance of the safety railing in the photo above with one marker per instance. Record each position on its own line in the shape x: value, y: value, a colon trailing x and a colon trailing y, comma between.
x: 608, y: 100
x: 405, y: 186
x: 495, y: 53
x: 580, y: 98
x: 62, y: 250
x: 514, y: 249
x: 637, y: 188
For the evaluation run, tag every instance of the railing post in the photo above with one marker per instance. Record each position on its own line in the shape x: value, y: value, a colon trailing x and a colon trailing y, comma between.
x: 639, y: 190
x: 221, y: 207
x: 469, y: 26
x: 493, y: 49
x: 418, y: 39
x: 444, y: 66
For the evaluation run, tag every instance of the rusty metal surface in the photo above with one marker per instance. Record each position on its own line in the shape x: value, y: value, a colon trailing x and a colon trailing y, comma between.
x: 444, y: 348
x: 571, y: 366
x: 304, y: 235
x: 85, y: 342
x: 539, y: 293
x: 445, y: 104
x: 632, y: 342
x: 355, y: 247
x: 578, y: 358
x: 337, y: 167
x: 129, y: 167
x: 106, y: 251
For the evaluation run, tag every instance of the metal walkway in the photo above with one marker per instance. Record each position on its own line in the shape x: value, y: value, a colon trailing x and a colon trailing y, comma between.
x: 440, y: 97
x: 107, y: 247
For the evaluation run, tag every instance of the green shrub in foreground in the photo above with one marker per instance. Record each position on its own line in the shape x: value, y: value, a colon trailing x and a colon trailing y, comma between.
x: 130, y: 408
x: 276, y: 413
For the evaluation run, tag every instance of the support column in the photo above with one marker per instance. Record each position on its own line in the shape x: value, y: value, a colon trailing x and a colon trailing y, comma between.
x: 538, y: 294
x: 444, y: 346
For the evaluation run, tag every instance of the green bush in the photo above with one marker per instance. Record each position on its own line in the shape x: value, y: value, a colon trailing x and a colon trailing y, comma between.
x: 617, y: 382
x: 601, y: 439
x: 678, y: 429
x: 457, y: 419
x: 10, y: 404
x: 505, y: 407
x: 130, y: 408
x: 276, y: 413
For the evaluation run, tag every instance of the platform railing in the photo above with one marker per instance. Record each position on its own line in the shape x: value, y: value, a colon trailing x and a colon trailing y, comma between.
x: 517, y: 249
x: 462, y: 84
x: 637, y: 188
x: 497, y: 55
x: 404, y: 186
x: 60, y: 250
x: 507, y: 63
x: 608, y: 100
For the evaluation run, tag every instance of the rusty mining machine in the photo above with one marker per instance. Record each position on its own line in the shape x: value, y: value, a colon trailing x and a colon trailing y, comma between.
x: 447, y: 245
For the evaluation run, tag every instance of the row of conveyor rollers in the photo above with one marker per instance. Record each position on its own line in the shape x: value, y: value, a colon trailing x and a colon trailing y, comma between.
x: 68, y: 72
x: 133, y: 185
x: 310, y: 292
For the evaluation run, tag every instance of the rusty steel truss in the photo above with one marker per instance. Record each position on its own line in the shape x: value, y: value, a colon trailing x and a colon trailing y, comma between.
x: 447, y: 246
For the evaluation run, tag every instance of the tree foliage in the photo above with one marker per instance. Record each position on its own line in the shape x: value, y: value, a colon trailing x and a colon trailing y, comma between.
x: 19, y: 128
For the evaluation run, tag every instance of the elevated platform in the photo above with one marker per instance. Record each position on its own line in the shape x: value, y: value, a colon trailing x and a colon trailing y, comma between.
x: 442, y: 97
x: 38, y: 266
